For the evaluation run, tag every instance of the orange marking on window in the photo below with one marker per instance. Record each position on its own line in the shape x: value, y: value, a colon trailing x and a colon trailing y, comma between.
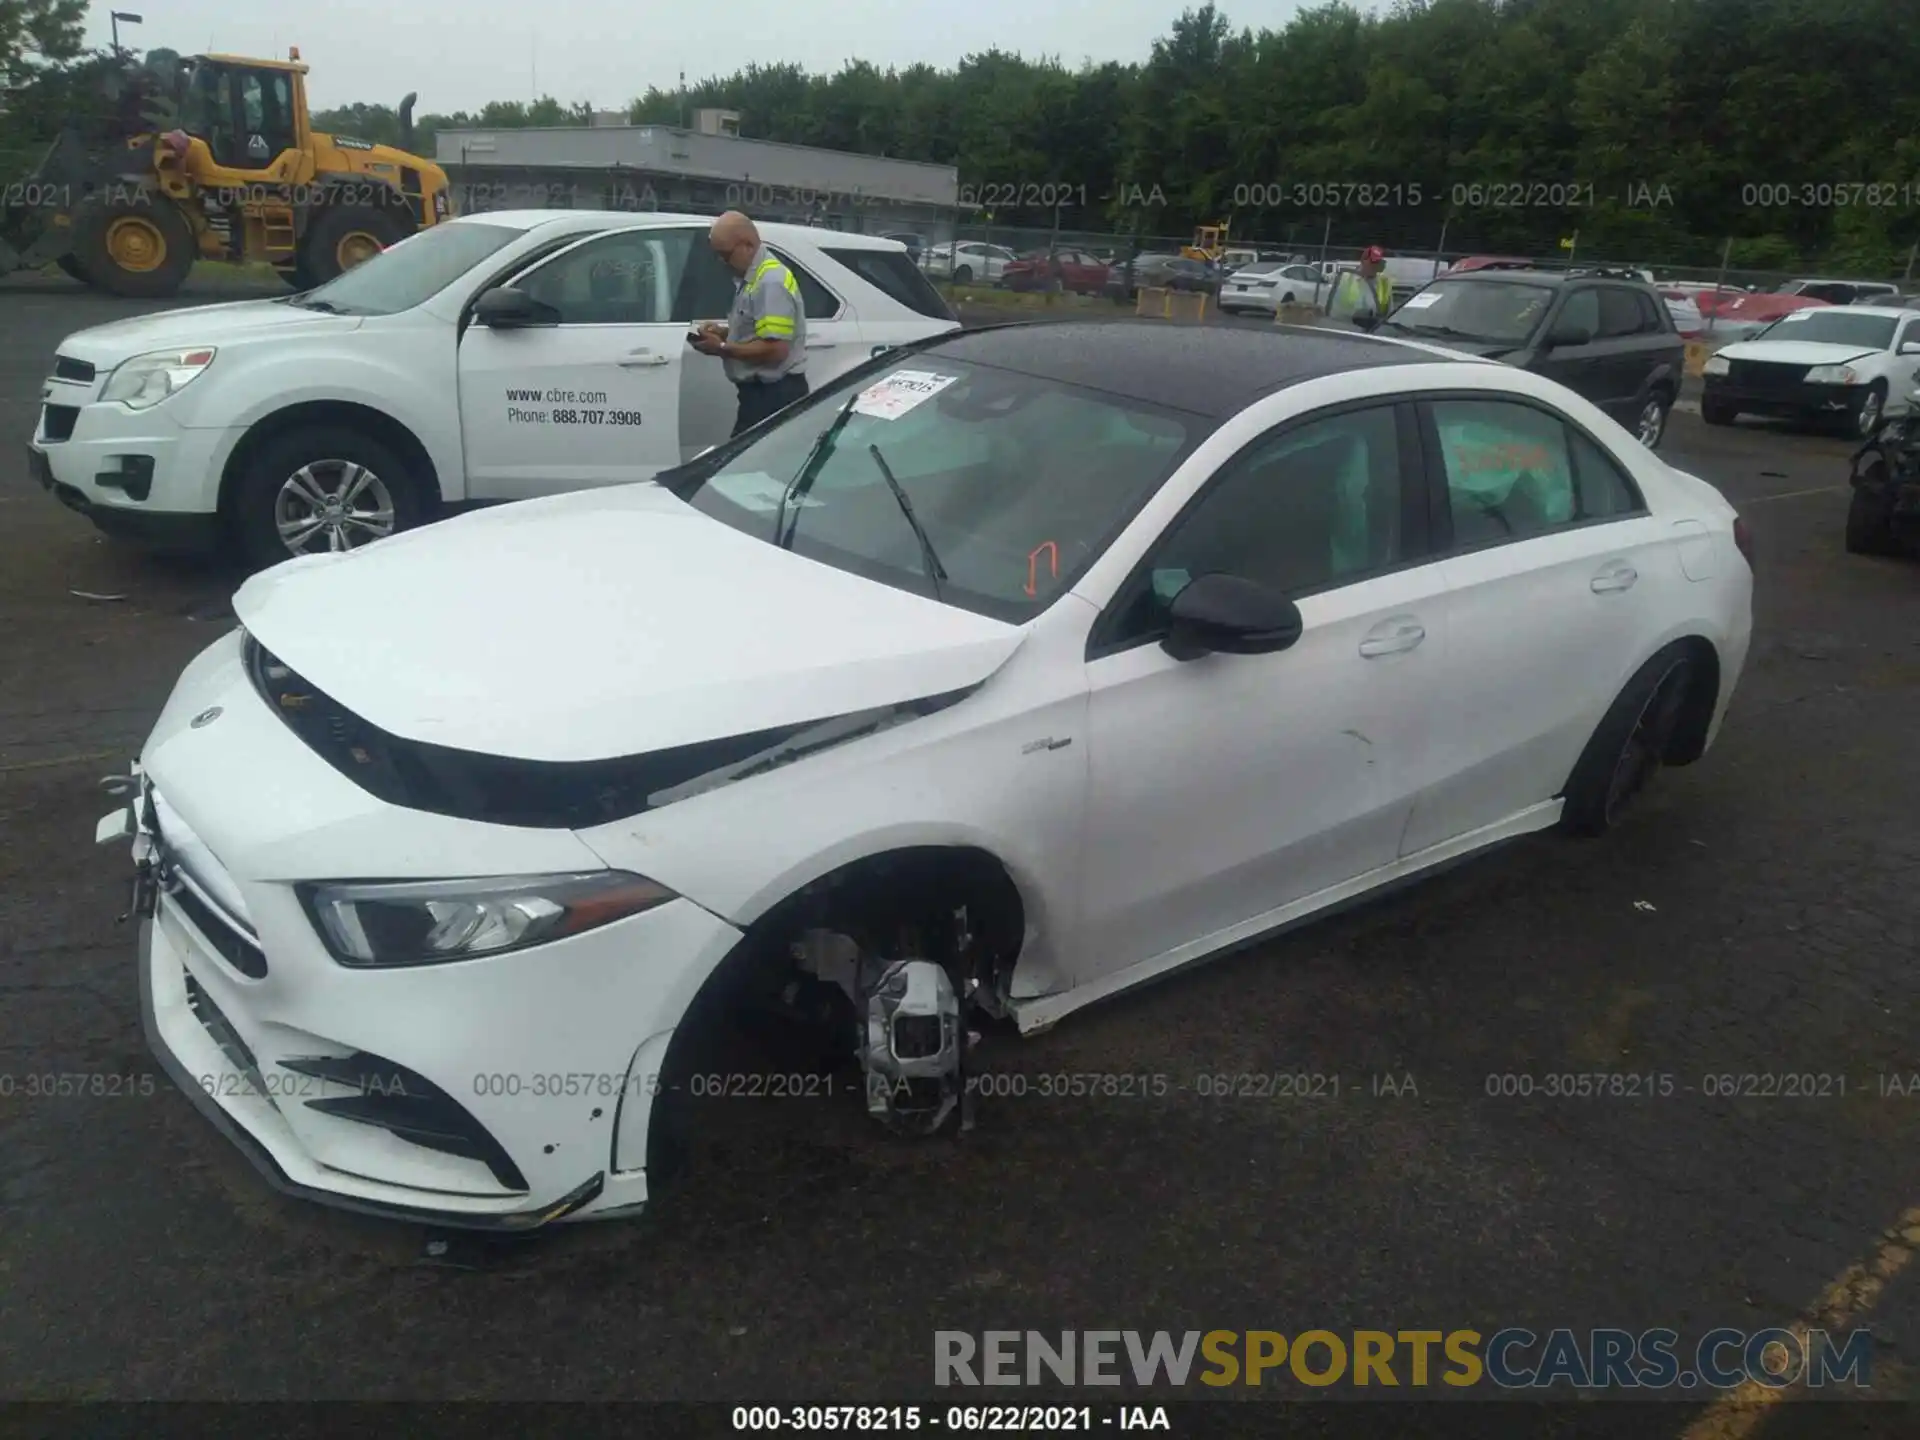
x: 1033, y: 565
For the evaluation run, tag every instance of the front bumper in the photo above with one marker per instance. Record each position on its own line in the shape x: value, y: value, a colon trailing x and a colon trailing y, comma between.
x: 134, y: 473
x: 1788, y: 400
x: 506, y: 1092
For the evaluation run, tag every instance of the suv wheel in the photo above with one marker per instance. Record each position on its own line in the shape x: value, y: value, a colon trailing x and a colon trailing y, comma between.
x: 1651, y: 427
x: 1866, y: 415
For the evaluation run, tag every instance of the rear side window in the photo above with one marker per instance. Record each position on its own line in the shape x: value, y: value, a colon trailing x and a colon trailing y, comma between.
x: 706, y: 291
x: 1620, y: 313
x: 894, y: 275
x: 1514, y: 471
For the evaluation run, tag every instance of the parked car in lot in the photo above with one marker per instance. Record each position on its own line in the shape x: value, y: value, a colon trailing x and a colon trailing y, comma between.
x: 968, y: 261
x: 1165, y: 272
x: 1745, y: 315
x: 1608, y: 339
x: 1846, y: 363
x: 1071, y: 270
x: 1839, y: 292
x: 1262, y: 288
x: 861, y: 723
x: 492, y: 358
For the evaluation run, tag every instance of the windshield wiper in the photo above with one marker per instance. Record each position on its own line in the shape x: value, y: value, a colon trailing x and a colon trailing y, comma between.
x: 936, y: 572
x: 797, y: 488
x: 326, y: 307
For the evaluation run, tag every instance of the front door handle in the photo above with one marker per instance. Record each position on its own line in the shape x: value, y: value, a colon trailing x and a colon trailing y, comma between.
x: 821, y: 344
x: 1392, y: 637
x: 1614, y: 578
x: 640, y: 359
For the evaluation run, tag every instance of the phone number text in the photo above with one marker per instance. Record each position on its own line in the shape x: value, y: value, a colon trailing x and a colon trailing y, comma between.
x: 517, y: 416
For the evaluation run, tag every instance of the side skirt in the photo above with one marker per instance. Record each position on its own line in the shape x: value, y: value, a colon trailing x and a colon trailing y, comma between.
x: 1043, y: 1011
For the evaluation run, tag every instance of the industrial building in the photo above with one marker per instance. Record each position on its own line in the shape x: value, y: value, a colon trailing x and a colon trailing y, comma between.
x: 705, y: 168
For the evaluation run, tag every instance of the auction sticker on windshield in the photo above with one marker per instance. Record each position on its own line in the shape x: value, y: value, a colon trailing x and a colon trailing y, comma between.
x: 900, y: 392
x: 1422, y: 300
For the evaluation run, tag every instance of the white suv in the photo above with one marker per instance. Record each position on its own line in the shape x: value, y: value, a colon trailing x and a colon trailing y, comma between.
x: 322, y: 420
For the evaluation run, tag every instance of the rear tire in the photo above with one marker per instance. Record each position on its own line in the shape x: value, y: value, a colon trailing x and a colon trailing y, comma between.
x: 274, y: 519
x: 140, y: 248
x: 1630, y: 745
x: 1718, y: 412
x: 344, y: 235
x: 963, y: 276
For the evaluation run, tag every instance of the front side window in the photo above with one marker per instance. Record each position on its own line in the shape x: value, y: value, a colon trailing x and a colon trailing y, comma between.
x: 1306, y: 507
x: 627, y: 278
x: 1513, y: 471
x: 411, y: 272
x: 1581, y: 311
x: 1019, y: 483
x: 1495, y: 311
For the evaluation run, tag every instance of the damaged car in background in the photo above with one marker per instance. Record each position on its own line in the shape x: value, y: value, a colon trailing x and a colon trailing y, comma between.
x: 1015, y: 669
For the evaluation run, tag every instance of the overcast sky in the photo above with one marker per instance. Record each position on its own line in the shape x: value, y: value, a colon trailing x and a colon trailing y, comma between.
x: 459, y: 54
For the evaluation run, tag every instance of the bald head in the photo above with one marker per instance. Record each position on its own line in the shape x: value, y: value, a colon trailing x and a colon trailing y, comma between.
x: 734, y: 238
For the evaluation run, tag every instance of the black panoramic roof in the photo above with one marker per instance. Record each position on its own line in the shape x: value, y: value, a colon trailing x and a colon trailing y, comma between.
x: 1207, y: 370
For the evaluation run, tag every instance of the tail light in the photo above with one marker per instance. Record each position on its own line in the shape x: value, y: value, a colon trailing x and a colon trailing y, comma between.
x: 1743, y: 539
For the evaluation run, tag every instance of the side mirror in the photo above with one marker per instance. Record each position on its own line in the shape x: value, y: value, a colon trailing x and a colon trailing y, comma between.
x: 505, y: 308
x: 1909, y: 347
x: 1227, y: 615
x: 1568, y: 332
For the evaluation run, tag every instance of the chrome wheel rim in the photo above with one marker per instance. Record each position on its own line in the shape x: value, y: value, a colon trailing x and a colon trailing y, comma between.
x: 1653, y: 418
x: 332, y: 505
x: 1641, y: 756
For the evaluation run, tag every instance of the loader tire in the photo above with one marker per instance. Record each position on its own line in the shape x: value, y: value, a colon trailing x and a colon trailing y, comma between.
x: 141, y: 248
x: 344, y: 235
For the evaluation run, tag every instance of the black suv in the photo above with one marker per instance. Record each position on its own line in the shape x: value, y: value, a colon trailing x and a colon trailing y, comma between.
x: 1604, y: 334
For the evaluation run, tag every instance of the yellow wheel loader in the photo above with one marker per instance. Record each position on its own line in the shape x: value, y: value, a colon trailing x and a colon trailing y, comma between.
x: 1209, y: 243
x: 242, y: 177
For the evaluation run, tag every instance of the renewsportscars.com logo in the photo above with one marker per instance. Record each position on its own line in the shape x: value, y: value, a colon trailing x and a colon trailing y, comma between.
x: 1509, y: 1359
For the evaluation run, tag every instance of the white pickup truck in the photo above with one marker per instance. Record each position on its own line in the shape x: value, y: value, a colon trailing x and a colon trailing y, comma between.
x: 334, y: 417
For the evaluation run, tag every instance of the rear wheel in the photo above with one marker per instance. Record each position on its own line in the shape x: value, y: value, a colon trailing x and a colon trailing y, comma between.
x: 1867, y: 412
x: 140, y: 247
x: 344, y: 236
x: 1630, y: 745
x: 324, y: 488
x: 963, y: 275
x: 1651, y: 425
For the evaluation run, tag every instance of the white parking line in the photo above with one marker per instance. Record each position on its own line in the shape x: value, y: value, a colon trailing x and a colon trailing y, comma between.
x: 1796, y: 494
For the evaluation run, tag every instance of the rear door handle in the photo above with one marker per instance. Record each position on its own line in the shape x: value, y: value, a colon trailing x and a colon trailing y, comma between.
x: 639, y: 359
x: 1615, y: 577
x: 1392, y: 637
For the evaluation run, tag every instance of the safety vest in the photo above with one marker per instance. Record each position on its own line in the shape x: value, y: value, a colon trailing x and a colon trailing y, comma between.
x: 1350, y: 290
x: 786, y: 276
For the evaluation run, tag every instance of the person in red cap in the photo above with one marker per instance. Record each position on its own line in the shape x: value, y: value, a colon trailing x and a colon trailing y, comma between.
x: 1365, y: 297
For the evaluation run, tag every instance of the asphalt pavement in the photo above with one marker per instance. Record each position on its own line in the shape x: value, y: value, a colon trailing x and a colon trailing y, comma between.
x: 1758, y: 918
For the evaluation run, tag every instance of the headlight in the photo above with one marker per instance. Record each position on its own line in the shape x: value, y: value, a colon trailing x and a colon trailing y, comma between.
x: 146, y: 380
x: 1716, y: 365
x: 1832, y: 375
x: 429, y: 922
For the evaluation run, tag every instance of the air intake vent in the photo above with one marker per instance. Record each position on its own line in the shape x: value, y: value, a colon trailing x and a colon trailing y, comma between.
x: 68, y: 369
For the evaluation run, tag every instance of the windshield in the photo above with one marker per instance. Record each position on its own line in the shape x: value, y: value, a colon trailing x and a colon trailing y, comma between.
x: 1018, y: 483
x: 412, y: 272
x: 1497, y: 311
x: 1833, y: 326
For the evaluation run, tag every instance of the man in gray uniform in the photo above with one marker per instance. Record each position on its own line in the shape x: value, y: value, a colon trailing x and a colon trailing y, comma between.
x: 763, y: 344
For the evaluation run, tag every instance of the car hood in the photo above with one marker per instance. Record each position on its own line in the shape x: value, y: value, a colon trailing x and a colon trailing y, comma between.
x: 1479, y: 349
x: 1794, y: 352
x: 198, y: 325
x: 601, y: 624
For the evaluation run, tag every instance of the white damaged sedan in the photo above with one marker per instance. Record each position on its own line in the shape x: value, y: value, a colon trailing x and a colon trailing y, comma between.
x: 1009, y: 672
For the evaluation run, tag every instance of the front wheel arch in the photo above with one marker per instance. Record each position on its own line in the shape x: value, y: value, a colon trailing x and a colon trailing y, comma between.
x: 343, y: 413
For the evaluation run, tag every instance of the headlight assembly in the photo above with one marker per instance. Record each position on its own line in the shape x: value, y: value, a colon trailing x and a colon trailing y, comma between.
x: 430, y: 922
x: 1832, y: 375
x: 146, y: 380
x: 1716, y: 365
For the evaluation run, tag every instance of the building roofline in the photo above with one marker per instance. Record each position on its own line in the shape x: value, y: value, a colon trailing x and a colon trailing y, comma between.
x: 491, y: 131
